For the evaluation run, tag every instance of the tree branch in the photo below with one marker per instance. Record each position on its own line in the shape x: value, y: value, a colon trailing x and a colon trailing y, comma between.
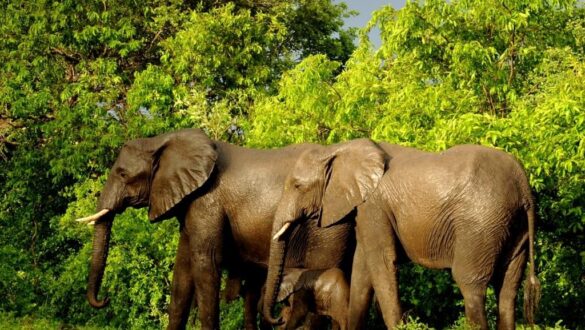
x: 70, y: 57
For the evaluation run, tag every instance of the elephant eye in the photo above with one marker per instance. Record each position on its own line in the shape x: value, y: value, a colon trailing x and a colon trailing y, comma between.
x: 298, y: 185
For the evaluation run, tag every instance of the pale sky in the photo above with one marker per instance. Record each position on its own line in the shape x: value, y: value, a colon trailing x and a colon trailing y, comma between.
x: 365, y: 9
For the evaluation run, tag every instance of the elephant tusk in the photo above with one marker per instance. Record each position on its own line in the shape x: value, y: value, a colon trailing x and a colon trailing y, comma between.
x: 90, y: 220
x: 281, y: 231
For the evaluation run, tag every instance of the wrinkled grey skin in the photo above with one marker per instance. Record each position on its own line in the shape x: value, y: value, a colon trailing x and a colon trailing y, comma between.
x: 329, y: 182
x: 224, y: 198
x: 468, y: 208
x: 322, y: 292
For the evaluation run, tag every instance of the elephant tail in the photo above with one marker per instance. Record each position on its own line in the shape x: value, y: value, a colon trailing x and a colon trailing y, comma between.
x: 532, y: 284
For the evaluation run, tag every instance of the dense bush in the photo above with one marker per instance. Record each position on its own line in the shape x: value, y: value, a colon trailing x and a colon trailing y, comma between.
x: 81, y: 78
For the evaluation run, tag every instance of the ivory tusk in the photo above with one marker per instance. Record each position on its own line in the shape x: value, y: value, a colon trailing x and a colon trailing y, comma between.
x: 281, y: 231
x: 93, y: 218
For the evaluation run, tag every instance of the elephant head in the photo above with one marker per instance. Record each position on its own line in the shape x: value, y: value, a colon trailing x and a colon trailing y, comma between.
x: 327, y: 183
x: 157, y: 172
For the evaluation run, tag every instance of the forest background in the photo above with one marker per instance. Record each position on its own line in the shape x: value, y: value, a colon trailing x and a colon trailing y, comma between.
x: 78, y: 78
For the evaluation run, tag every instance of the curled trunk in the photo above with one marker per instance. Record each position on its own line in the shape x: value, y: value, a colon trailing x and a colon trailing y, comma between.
x: 101, y: 241
x: 273, y: 279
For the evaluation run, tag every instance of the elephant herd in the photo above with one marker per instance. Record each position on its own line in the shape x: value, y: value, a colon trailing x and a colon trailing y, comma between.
x: 323, y: 228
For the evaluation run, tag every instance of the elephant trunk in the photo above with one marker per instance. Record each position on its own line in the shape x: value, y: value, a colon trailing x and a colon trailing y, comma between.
x: 101, y: 241
x: 273, y: 279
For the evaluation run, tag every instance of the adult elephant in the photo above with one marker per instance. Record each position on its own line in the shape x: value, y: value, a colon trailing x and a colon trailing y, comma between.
x: 329, y: 188
x: 468, y: 208
x: 224, y: 197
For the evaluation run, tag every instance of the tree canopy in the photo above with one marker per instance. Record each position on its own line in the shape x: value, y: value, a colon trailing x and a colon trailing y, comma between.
x: 80, y: 78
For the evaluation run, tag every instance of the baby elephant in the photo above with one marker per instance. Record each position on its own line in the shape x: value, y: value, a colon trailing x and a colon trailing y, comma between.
x: 322, y: 292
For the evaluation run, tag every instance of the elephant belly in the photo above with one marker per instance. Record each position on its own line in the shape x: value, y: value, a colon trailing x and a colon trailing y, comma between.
x: 252, y: 239
x: 425, y: 242
x: 251, y: 213
x: 423, y: 220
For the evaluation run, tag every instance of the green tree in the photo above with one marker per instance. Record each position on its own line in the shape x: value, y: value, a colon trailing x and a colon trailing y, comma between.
x: 80, y: 78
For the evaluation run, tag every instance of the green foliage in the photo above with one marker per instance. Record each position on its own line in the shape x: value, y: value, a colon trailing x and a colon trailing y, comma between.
x: 79, y: 79
x: 232, y: 315
x: 301, y: 105
x: 10, y: 321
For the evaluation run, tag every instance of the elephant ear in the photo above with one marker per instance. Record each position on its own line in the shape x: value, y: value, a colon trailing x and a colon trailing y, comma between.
x: 354, y: 171
x: 183, y: 161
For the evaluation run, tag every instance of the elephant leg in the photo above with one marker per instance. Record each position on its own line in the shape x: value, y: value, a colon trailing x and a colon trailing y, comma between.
x: 377, y: 239
x: 339, y: 309
x: 472, y: 270
x: 313, y: 321
x: 335, y: 325
x: 204, y: 225
x: 473, y: 296
x: 506, y: 287
x: 251, y: 299
x: 250, y: 305
x: 385, y: 283
x: 361, y: 291
x: 300, y: 311
x: 207, y: 283
x: 182, y: 287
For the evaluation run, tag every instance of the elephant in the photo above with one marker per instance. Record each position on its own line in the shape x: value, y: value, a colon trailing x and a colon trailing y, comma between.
x: 224, y: 197
x: 318, y: 291
x: 352, y: 172
x: 468, y: 208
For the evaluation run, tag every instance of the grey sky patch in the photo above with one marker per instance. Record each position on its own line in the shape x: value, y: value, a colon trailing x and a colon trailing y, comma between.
x: 365, y: 9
